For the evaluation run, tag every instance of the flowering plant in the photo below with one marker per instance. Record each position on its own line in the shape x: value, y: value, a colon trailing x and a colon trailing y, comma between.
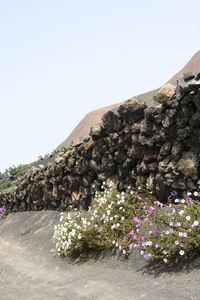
x: 169, y: 232
x: 104, y: 225
x: 2, y: 211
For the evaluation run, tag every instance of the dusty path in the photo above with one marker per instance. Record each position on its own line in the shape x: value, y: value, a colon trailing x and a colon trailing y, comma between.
x: 28, y: 269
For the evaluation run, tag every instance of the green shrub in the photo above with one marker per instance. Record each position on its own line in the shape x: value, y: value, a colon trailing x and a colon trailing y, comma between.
x: 107, y: 222
x: 5, y: 185
x: 133, y: 220
x: 169, y: 232
x: 18, y: 171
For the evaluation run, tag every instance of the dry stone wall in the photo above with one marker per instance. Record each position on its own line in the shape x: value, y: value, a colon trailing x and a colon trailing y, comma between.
x: 134, y: 145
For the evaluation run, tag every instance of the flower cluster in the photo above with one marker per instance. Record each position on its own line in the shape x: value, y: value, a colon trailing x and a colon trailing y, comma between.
x: 168, y: 232
x: 103, y: 226
x: 2, y: 211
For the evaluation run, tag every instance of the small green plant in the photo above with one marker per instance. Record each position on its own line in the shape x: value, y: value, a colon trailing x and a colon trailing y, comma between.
x: 25, y: 231
x: 63, y: 149
x: 5, y: 186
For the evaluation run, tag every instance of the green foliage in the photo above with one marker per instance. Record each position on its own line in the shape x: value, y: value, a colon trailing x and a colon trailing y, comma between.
x: 25, y: 231
x: 18, y: 171
x: 63, y: 149
x: 5, y: 185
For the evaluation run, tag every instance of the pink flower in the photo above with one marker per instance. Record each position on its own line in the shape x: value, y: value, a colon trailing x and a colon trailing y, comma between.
x: 156, y: 246
x: 150, y: 224
x: 157, y: 233
x: 185, y: 234
x: 136, y: 219
x: 176, y: 243
x: 190, y: 200
x: 131, y: 247
x: 132, y: 232
x: 134, y: 237
x: 150, y: 210
x: 142, y: 238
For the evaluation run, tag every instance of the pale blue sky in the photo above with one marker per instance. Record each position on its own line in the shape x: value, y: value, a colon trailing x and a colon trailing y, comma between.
x: 62, y: 59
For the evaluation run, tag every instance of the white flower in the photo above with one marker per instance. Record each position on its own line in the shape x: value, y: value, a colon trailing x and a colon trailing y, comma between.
x: 165, y: 260
x: 149, y: 243
x: 124, y: 251
x: 141, y: 252
x: 122, y: 218
x: 113, y: 242
x: 167, y: 232
x: 196, y: 223
x: 108, y: 212
x: 195, y: 194
x: 171, y: 224
x: 118, y: 224
x: 178, y: 224
x: 176, y: 200
x: 92, y: 218
x: 188, y: 218
x: 180, y: 234
x: 181, y: 212
x: 164, y: 252
x: 189, y: 194
x: 79, y: 236
x: 183, y: 201
x: 181, y: 252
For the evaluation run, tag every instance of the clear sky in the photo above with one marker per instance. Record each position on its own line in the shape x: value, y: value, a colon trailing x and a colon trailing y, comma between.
x: 61, y: 59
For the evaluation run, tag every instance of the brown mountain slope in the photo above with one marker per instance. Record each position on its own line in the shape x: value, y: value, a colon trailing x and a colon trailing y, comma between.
x: 82, y: 129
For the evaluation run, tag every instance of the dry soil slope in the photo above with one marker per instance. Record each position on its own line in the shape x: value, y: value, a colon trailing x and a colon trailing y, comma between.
x: 82, y: 129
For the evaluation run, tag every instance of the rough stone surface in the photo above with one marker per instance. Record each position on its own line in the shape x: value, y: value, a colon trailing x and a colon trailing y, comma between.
x: 188, y: 83
x: 167, y: 92
x: 133, y: 145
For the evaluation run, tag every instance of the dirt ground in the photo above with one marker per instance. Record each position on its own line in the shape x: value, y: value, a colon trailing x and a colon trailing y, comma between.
x: 30, y: 271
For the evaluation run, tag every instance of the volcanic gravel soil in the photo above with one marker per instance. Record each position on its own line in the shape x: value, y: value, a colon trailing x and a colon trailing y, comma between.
x: 30, y: 271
